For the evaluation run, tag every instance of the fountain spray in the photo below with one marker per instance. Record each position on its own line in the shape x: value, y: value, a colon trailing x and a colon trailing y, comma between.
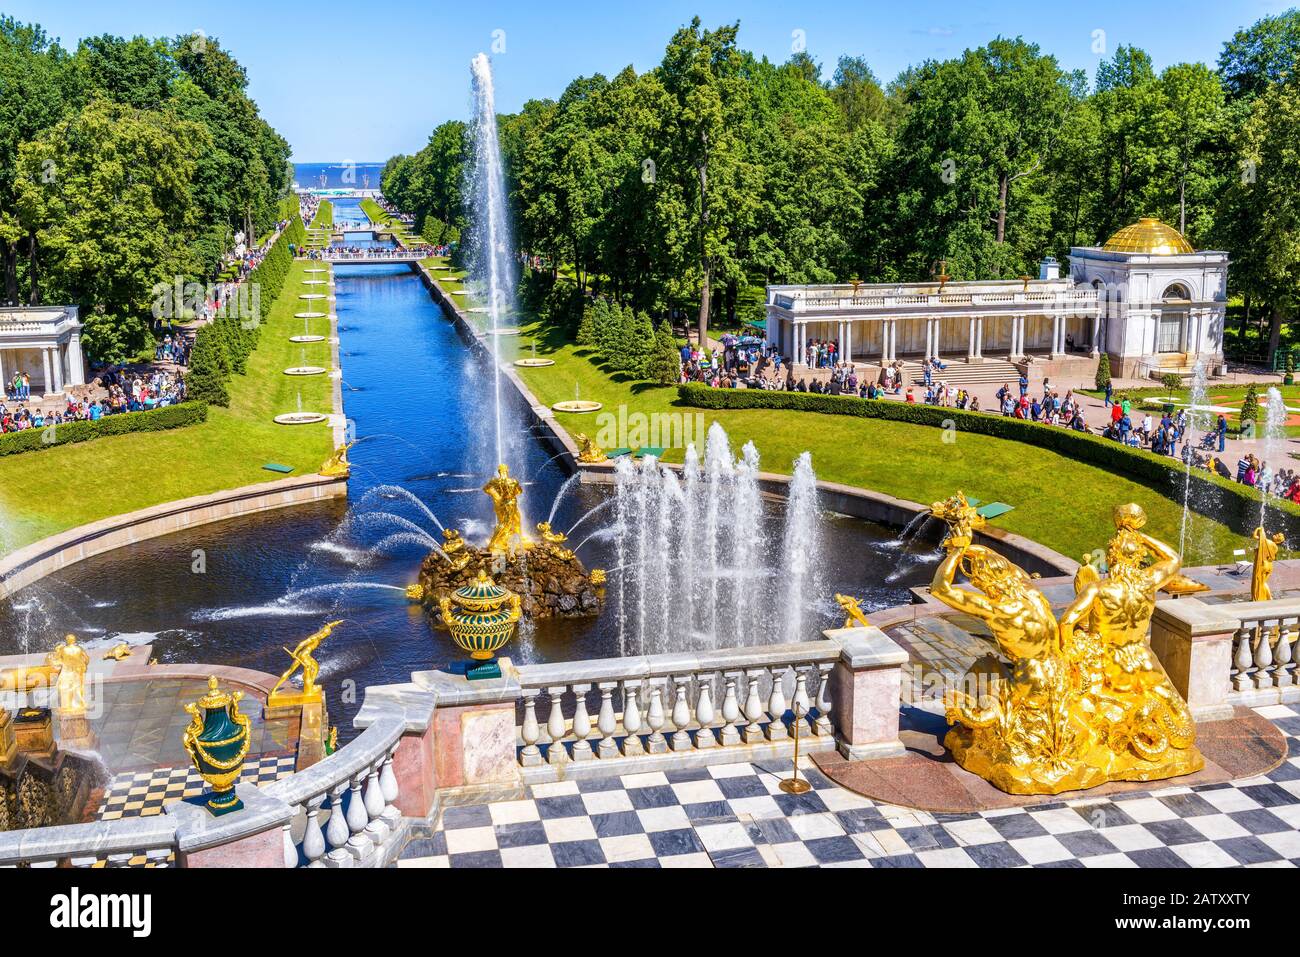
x: 492, y: 264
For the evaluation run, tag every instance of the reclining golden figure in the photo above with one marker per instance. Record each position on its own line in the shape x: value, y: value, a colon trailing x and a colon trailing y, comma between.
x: 1085, y: 701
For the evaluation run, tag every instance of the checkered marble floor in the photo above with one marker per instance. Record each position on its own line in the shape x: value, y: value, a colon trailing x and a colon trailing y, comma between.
x: 737, y: 816
x: 145, y: 793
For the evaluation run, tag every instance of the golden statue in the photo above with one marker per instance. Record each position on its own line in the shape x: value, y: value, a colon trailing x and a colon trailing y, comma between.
x: 453, y: 546
x: 303, y: 657
x: 1084, y: 701
x: 415, y: 592
x: 553, y: 541
x: 22, y: 680
x: 508, y: 537
x: 1265, y: 556
x: 589, y: 452
x: 856, y: 618
x: 72, y: 661
x: 337, y: 465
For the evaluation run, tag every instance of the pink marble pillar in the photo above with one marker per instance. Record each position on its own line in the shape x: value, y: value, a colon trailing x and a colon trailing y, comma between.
x: 866, y: 689
x: 413, y: 766
x: 262, y: 850
x: 1193, y: 641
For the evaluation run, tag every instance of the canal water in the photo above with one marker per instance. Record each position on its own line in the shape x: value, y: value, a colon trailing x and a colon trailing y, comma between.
x: 419, y: 402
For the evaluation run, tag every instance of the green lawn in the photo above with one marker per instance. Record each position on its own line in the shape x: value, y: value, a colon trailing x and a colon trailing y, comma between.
x: 47, y: 492
x: 1062, y: 503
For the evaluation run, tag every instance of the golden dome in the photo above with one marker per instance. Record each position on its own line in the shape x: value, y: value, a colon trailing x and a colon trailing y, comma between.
x: 1149, y: 236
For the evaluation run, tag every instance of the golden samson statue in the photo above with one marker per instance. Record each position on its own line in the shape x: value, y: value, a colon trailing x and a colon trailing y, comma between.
x: 1085, y: 701
x: 508, y: 537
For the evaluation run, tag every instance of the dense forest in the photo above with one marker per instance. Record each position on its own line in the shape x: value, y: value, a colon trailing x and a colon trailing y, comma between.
x: 695, y: 183
x: 124, y: 164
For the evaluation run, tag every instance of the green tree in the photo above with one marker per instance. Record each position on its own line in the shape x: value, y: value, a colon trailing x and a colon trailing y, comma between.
x: 112, y: 221
x: 1265, y: 53
x: 1102, y: 378
x: 664, y: 364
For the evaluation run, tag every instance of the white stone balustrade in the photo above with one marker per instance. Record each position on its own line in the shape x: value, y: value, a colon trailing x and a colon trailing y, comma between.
x: 1234, y: 653
x: 711, y: 707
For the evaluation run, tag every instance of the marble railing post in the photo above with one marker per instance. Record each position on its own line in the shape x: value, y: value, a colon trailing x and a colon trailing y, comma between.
x: 866, y: 692
x: 1193, y: 642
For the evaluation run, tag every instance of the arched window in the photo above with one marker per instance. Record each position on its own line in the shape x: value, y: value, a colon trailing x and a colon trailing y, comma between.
x: 1170, y: 336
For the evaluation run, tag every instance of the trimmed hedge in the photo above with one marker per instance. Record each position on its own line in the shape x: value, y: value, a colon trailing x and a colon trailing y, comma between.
x: 1231, y: 503
x: 123, y: 423
x: 222, y: 347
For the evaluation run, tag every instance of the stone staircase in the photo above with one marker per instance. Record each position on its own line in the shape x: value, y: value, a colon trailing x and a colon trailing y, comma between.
x: 961, y: 373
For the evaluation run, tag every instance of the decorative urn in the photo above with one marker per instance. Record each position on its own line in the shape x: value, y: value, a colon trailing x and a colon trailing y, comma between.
x: 482, y: 621
x: 217, y: 743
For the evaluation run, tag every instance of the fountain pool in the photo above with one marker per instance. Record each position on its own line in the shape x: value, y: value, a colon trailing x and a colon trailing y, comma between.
x: 266, y: 581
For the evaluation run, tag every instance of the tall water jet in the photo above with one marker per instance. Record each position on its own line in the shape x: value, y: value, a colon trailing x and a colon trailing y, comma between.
x: 1195, y: 412
x: 492, y: 262
x: 799, y: 546
x: 1275, y: 416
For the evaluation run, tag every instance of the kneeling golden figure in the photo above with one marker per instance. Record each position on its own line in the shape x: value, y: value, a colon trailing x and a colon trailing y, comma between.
x: 1084, y: 701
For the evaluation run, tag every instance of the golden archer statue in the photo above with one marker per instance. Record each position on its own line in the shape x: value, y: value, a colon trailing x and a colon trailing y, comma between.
x: 1265, y: 556
x: 1085, y: 701
x: 72, y: 661
x: 303, y: 657
x: 508, y: 537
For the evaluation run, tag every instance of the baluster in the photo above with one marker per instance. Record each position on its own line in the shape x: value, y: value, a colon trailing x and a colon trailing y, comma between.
x: 158, y: 857
x: 288, y: 847
x: 605, y: 721
x: 388, y: 787
x: 823, y: 723
x: 799, y: 705
x: 776, y: 730
x: 753, y: 732
x: 681, y: 715
x: 631, y: 719
x: 1284, y: 674
x: 337, y: 831
x: 730, y: 711
x: 704, y: 714
x: 377, y: 828
x: 654, y: 720
x: 83, y: 862
x: 357, y: 818
x: 1262, y: 675
x: 556, y: 754
x: 313, y: 839
x: 114, y: 860
x: 581, y: 724
x: 1242, y: 660
x: 531, y: 755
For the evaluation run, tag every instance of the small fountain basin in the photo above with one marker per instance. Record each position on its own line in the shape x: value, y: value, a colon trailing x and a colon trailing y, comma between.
x: 577, y: 406
x: 305, y: 370
x: 300, y: 418
x: 534, y: 363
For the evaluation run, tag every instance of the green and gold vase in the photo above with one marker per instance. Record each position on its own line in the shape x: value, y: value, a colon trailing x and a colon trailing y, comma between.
x: 217, y: 743
x: 482, y: 622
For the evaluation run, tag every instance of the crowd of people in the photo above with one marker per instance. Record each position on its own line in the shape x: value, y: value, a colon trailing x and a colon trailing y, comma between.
x: 127, y: 392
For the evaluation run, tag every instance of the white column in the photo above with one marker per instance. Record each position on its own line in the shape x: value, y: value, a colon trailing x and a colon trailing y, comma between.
x: 57, y: 356
x: 1096, y: 331
x: 4, y: 382
x: 893, y: 339
x: 1056, y: 335
x: 76, y: 365
x: 929, y: 339
x: 48, y: 384
x: 970, y: 340
x: 979, y: 337
x: 847, y: 344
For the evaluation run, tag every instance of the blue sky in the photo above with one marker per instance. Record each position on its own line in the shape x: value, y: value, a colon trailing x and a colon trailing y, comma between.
x: 317, y: 69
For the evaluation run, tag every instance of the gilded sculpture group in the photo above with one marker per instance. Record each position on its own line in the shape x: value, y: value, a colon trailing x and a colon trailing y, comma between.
x: 1085, y: 701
